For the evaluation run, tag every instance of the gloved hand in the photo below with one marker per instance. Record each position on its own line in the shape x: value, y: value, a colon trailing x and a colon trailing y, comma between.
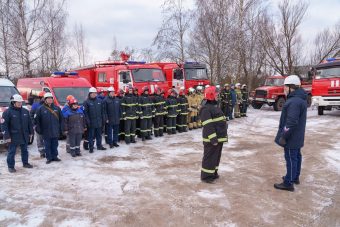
x: 282, y: 141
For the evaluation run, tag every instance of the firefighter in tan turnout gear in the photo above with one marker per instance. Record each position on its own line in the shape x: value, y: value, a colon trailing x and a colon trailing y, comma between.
x: 192, y: 117
x: 214, y: 135
x: 238, y: 103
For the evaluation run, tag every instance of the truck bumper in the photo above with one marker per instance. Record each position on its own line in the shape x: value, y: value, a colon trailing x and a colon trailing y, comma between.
x: 263, y: 100
x: 325, y: 101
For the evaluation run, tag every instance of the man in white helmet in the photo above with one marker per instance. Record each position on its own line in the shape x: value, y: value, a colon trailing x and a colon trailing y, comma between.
x: 291, y: 132
x: 18, y: 130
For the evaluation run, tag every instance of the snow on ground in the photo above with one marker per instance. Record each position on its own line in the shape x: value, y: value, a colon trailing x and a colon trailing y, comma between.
x: 157, y: 183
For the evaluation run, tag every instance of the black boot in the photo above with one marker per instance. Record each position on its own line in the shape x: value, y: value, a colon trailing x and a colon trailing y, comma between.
x: 27, y: 165
x: 56, y: 159
x: 12, y: 170
x: 86, y: 145
x: 209, y: 180
x: 297, y: 181
x: 116, y: 145
x: 91, y: 150
x: 283, y: 186
x: 101, y: 148
x: 112, y: 146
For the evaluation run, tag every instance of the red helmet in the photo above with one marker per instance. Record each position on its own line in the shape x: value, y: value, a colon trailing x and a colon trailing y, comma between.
x: 210, y: 93
x: 181, y: 92
x: 145, y: 88
x: 171, y: 91
x: 41, y: 94
x: 68, y: 98
x: 100, y: 90
x: 73, y: 101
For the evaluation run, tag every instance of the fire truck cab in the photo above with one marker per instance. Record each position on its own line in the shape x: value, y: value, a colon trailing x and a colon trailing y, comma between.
x: 121, y: 74
x: 272, y: 92
x: 189, y: 74
x: 326, y: 85
x: 60, y: 84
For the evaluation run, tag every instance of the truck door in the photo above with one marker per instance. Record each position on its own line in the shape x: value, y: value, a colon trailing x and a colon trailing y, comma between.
x: 177, y: 78
x: 124, y: 79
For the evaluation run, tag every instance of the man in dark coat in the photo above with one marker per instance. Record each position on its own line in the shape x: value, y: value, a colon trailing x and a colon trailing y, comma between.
x: 171, y: 106
x: 214, y: 135
x: 130, y: 110
x: 95, y: 118
x: 159, y: 104
x: 291, y: 133
x: 49, y: 123
x: 232, y: 102
x: 113, y: 114
x: 18, y: 130
x: 146, y: 110
x: 40, y: 142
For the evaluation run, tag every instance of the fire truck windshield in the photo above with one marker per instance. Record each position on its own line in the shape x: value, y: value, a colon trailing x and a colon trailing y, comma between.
x: 6, y: 92
x: 80, y: 93
x: 148, y: 75
x: 274, y: 82
x: 327, y: 73
x: 196, y: 74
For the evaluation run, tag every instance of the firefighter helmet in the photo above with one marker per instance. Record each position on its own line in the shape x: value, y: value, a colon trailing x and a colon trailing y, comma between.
x: 191, y: 90
x: 17, y: 98
x: 244, y: 86
x: 41, y: 94
x: 210, y: 93
x: 171, y: 91
x: 145, y: 88
x: 69, y: 97
x: 237, y: 85
x: 73, y: 101
x: 292, y: 80
x: 110, y: 89
x: 48, y: 95
x: 100, y: 90
x: 92, y: 90
x: 226, y: 85
x: 182, y: 91
x: 199, y: 88
x: 206, y: 86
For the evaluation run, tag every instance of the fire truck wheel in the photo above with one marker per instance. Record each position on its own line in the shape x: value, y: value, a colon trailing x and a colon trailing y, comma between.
x: 256, y: 106
x: 309, y: 100
x: 278, y: 105
x: 320, y: 110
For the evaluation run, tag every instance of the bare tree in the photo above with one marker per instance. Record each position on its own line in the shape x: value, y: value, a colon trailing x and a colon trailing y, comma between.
x: 171, y: 37
x: 80, y: 46
x: 281, y: 37
x: 5, y: 36
x: 326, y: 44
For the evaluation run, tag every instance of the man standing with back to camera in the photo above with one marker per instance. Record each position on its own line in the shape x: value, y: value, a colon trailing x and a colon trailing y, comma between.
x: 291, y: 133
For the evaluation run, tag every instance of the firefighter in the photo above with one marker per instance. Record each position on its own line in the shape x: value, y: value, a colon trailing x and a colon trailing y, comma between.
x: 182, y: 117
x: 171, y: 106
x: 49, y: 123
x: 146, y: 110
x: 18, y: 131
x: 291, y: 132
x: 95, y: 118
x: 199, y: 99
x: 100, y: 94
x: 165, y: 111
x: 121, y: 134
x: 64, y: 110
x: 159, y: 105
x: 113, y: 115
x: 237, y: 110
x: 225, y: 100
x: 245, y: 97
x: 34, y: 107
x: 138, y: 132
x: 214, y: 135
x: 232, y: 101
x: 130, y: 112
x: 75, y: 125
x: 192, y: 109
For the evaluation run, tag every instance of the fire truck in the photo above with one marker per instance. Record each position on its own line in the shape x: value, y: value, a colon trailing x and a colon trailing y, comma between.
x: 189, y: 74
x: 7, y: 90
x: 272, y: 92
x: 121, y: 74
x: 60, y: 84
x: 326, y: 85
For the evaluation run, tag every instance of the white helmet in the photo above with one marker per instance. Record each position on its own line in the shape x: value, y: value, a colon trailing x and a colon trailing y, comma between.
x: 92, y: 90
x: 292, y: 79
x: 182, y: 88
x: 244, y: 85
x: 199, y: 88
x: 191, y: 90
x: 17, y: 98
x: 237, y: 85
x: 110, y: 89
x: 218, y: 86
x: 48, y: 95
x: 206, y: 86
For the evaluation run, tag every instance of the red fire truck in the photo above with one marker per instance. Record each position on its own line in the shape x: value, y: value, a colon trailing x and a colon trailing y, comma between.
x: 189, y: 74
x: 326, y: 85
x: 272, y: 92
x: 60, y: 84
x: 120, y: 74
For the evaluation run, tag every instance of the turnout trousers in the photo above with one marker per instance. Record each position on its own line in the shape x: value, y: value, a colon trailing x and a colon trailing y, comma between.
x: 130, y: 130
x: 211, y: 160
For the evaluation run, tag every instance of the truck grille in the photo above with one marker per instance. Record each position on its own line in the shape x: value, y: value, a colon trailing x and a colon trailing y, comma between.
x: 333, y: 91
x: 261, y: 93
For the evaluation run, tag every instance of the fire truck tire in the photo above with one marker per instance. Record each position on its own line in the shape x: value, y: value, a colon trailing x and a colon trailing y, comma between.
x: 309, y: 100
x: 278, y: 105
x: 320, y: 110
x: 256, y: 106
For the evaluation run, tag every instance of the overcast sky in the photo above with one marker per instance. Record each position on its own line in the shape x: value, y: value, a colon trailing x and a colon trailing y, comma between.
x: 135, y: 23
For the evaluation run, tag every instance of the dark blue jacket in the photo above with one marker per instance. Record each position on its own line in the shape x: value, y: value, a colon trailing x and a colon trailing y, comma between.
x: 293, y: 120
x: 17, y: 125
x: 65, y: 109
x: 49, y: 121
x: 94, y: 112
x: 233, y: 96
x: 34, y: 108
x: 113, y: 110
x: 75, y: 122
